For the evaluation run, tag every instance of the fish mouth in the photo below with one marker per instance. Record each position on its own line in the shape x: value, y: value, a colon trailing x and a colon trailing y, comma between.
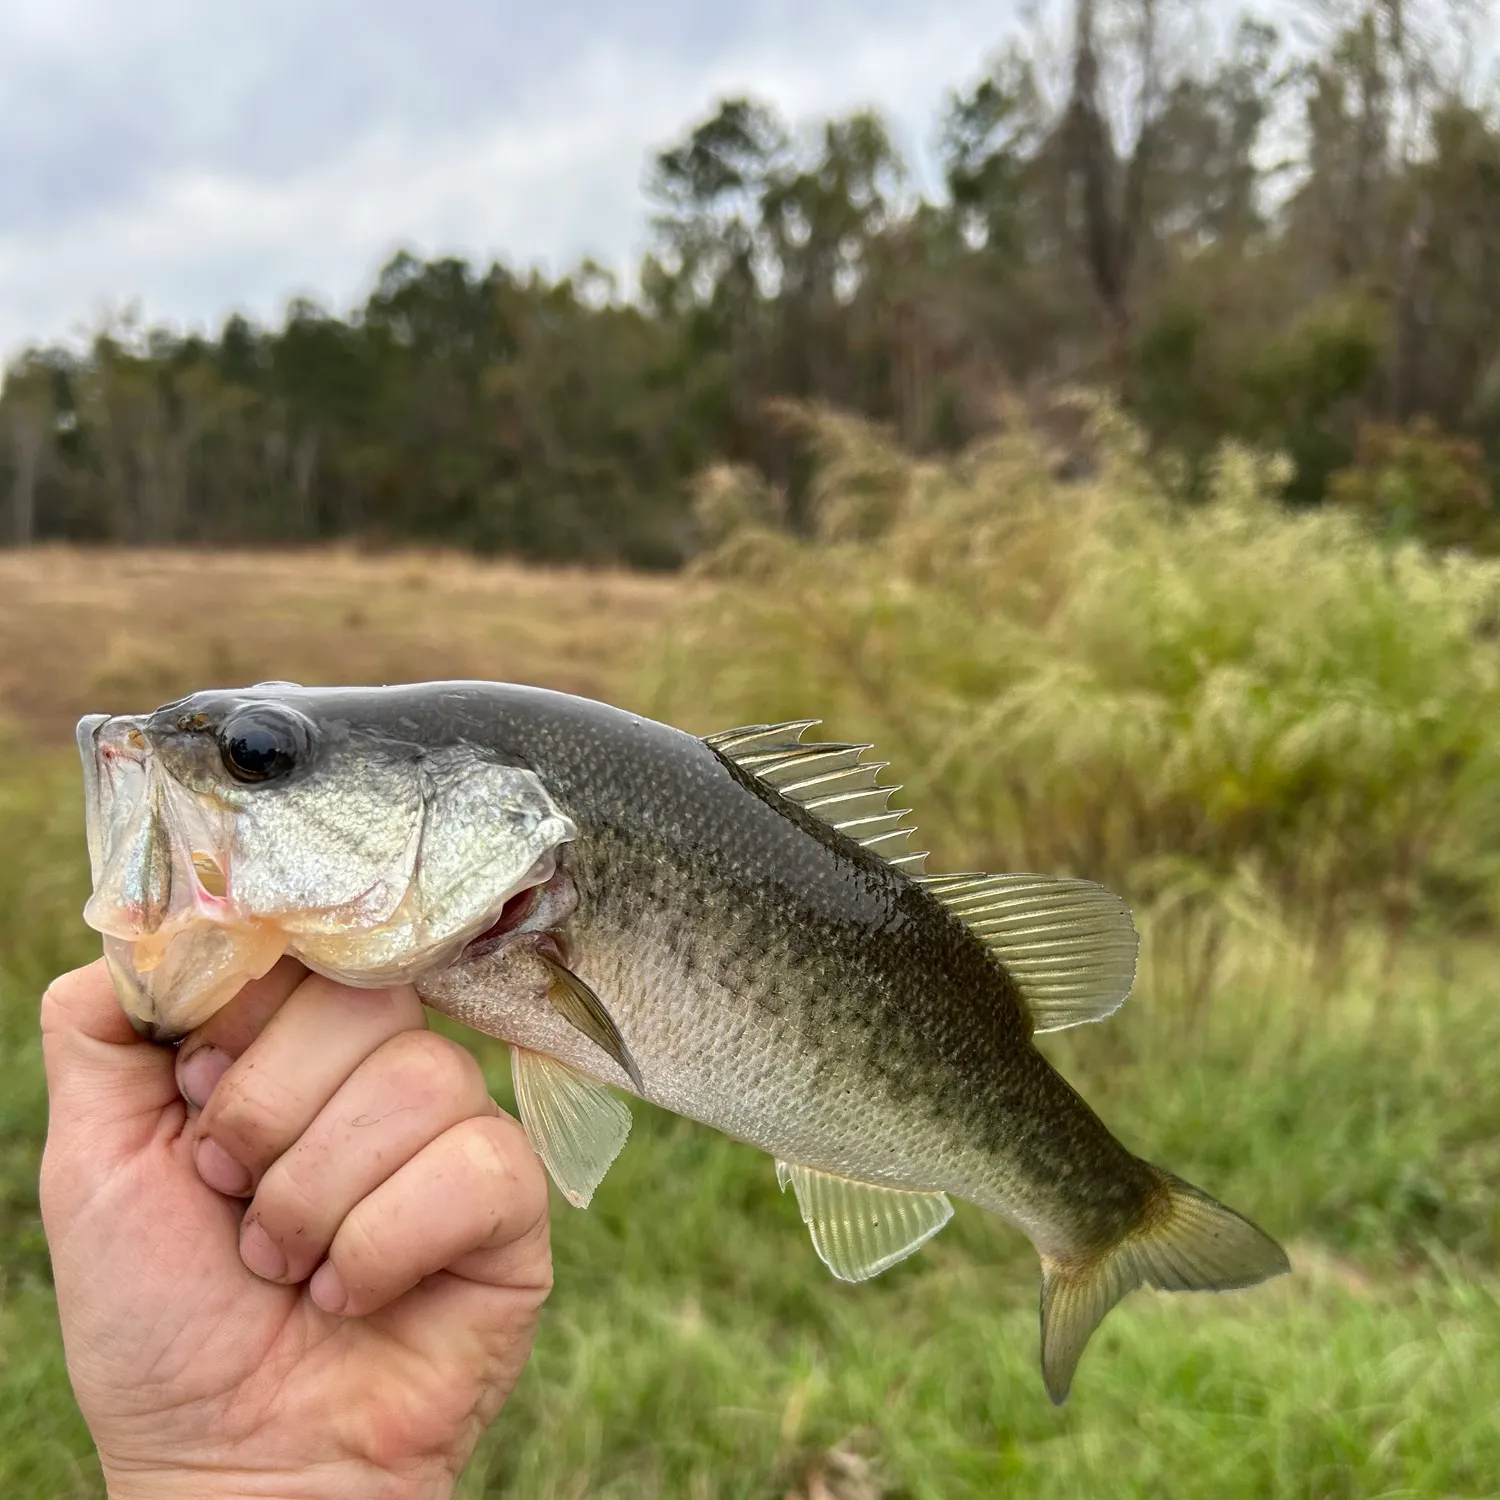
x: 88, y: 753
x: 179, y: 944
x: 175, y: 945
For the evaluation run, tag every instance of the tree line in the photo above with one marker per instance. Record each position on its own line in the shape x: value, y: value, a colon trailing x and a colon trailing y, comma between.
x: 1296, y: 247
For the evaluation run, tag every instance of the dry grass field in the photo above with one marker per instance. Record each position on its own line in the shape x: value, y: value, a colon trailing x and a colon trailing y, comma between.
x: 85, y: 631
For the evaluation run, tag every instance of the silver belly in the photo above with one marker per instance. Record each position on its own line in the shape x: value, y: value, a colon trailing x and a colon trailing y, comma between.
x: 714, y: 1057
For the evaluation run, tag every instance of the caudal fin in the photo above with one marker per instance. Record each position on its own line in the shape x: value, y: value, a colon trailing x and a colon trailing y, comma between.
x: 1193, y: 1243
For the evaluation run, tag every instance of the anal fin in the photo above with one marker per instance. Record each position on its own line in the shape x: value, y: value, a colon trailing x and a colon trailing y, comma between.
x: 575, y: 1124
x: 858, y: 1229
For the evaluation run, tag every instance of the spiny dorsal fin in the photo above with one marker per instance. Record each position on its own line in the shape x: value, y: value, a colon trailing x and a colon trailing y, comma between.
x: 832, y: 781
x: 1069, y: 944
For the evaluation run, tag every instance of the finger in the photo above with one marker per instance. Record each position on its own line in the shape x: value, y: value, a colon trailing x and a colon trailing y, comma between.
x: 205, y: 1056
x: 106, y: 1086
x: 287, y: 1075
x: 399, y: 1100
x: 469, y: 1200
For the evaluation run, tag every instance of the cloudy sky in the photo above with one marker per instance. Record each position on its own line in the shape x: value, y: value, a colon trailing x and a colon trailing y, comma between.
x: 198, y: 158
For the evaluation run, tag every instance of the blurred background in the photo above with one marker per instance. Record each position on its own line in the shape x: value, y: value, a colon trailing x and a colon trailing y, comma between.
x: 1096, y: 405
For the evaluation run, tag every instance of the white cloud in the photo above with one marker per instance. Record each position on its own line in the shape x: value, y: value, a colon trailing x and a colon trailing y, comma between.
x: 543, y: 165
x: 197, y: 215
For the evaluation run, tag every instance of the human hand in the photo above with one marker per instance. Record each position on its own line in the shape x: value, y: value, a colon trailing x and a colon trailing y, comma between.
x: 353, y: 1331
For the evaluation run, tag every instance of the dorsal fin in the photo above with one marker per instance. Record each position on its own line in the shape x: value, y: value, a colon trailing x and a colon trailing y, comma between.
x: 1070, y: 945
x: 832, y: 781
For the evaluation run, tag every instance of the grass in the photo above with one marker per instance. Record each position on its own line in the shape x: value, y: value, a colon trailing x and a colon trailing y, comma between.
x: 88, y: 631
x: 695, y: 1347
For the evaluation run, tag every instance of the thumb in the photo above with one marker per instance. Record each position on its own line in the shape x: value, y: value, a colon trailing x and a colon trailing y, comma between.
x: 106, y: 1086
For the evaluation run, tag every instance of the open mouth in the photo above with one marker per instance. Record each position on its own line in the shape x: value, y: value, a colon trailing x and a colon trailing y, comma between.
x: 186, y: 925
x: 175, y: 947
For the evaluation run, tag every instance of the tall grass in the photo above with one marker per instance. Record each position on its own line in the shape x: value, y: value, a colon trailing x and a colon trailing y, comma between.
x: 43, y: 884
x: 1240, y: 717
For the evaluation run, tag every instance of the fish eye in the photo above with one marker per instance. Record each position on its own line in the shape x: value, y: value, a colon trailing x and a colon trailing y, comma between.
x: 261, y: 743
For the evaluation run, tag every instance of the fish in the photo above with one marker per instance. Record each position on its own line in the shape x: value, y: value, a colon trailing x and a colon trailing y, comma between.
x: 732, y: 927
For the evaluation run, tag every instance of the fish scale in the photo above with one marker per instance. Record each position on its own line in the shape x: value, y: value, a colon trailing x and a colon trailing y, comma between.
x: 734, y: 928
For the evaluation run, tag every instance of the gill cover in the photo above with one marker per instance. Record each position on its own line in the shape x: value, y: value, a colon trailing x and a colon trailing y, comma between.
x: 370, y: 860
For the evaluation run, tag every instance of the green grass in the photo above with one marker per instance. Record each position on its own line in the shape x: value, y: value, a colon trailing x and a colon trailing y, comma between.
x: 695, y: 1347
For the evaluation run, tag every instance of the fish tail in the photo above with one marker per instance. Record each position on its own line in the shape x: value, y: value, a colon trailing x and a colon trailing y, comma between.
x: 1189, y: 1242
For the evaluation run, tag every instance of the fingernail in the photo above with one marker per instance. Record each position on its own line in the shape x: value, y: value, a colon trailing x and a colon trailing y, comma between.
x: 261, y: 1253
x: 327, y: 1289
x: 199, y: 1072
x: 220, y: 1170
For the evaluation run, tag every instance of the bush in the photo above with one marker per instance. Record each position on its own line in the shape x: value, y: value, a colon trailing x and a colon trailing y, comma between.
x: 1231, y: 713
x: 1418, y: 481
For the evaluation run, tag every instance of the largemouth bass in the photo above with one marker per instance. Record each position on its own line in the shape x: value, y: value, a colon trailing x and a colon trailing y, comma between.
x: 732, y: 928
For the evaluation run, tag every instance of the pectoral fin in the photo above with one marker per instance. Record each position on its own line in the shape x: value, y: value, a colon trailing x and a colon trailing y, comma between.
x: 575, y: 1124
x: 860, y: 1230
x: 579, y: 1006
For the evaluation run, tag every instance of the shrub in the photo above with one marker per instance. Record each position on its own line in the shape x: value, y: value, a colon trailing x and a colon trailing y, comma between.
x: 1418, y: 481
x: 1232, y: 713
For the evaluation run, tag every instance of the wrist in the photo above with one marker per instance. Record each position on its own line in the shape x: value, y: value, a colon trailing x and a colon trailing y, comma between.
x: 217, y: 1484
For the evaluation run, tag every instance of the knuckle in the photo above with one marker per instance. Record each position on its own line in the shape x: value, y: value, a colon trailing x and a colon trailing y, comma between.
x: 242, y: 1114
x: 393, y: 1007
x: 403, y: 1002
x: 61, y: 1000
x: 290, y: 1207
x: 500, y: 1157
x: 357, y: 1250
x: 54, y: 1005
x: 484, y: 1150
x: 423, y: 1065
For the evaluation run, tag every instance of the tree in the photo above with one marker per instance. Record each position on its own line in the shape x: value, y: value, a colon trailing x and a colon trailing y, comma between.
x: 1109, y: 215
x: 27, y: 417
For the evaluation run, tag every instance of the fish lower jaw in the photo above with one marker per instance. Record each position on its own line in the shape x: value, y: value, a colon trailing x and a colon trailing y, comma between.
x: 171, y: 976
x: 169, y: 984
